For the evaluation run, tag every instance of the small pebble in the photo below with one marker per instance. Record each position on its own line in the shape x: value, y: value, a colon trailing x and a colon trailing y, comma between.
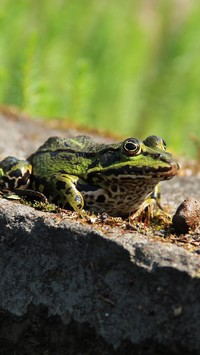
x: 187, y: 216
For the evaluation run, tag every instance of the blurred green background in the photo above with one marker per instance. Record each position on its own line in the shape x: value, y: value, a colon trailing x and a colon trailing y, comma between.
x: 128, y: 67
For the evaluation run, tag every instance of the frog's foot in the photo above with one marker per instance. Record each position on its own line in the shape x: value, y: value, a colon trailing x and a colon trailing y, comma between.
x: 31, y: 193
x: 151, y: 210
x: 65, y: 193
x: 17, y: 194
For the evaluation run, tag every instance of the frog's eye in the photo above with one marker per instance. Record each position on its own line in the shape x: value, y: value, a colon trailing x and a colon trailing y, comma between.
x: 131, y: 146
x: 155, y: 142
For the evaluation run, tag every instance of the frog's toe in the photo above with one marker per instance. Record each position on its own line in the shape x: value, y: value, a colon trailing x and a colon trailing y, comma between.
x: 79, y: 202
x: 151, y: 209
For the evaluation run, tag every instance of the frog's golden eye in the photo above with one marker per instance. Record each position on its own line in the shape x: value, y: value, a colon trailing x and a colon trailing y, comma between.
x: 131, y: 146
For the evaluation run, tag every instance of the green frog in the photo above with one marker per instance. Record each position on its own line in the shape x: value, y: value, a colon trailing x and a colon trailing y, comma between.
x: 78, y: 173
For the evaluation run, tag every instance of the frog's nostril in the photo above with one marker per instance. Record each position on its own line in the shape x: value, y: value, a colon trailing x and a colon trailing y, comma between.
x: 158, y: 156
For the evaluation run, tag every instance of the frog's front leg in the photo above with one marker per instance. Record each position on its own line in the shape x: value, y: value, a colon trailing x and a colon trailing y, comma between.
x: 65, y: 191
x: 156, y: 196
x: 152, y: 204
x: 152, y: 207
x: 14, y: 173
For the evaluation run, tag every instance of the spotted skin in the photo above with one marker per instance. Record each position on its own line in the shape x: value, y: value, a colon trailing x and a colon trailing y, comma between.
x: 14, y: 173
x: 124, y: 194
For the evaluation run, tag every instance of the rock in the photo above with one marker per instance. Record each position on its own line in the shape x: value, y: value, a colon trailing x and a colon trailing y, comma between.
x: 187, y: 216
x: 68, y: 289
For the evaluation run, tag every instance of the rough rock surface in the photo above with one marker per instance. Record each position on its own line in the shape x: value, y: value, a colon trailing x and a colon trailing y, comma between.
x: 68, y: 288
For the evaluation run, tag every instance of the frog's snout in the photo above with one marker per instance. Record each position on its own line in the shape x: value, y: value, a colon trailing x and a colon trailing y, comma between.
x: 174, y: 168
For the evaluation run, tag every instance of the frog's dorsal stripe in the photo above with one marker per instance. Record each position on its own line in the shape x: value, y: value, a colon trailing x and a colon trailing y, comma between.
x: 67, y: 152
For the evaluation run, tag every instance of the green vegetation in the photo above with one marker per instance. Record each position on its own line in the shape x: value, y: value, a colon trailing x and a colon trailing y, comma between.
x: 129, y: 67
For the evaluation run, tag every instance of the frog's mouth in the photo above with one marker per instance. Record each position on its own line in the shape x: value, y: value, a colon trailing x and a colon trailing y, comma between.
x: 144, y: 172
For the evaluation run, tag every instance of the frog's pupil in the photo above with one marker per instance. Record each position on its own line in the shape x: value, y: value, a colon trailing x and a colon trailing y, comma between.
x: 131, y: 146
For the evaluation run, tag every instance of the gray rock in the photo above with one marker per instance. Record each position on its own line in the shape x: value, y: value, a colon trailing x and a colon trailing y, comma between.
x: 68, y: 289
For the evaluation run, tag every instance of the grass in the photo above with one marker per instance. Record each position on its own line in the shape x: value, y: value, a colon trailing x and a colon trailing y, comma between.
x: 129, y: 67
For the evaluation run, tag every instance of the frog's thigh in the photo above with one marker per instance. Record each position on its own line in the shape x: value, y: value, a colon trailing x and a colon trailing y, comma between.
x: 65, y: 186
x: 14, y: 173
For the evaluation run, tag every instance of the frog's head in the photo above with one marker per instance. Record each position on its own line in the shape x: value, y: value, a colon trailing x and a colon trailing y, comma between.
x: 136, y: 159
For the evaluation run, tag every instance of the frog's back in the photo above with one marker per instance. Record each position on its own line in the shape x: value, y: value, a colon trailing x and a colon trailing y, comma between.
x: 58, y: 143
x: 83, y: 144
x: 75, y: 144
x: 69, y: 155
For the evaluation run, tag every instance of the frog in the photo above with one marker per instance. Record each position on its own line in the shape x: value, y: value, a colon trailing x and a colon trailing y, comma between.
x: 79, y: 174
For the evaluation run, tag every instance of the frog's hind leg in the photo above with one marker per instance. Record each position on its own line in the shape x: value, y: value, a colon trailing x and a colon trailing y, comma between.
x: 64, y: 192
x: 14, y: 173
